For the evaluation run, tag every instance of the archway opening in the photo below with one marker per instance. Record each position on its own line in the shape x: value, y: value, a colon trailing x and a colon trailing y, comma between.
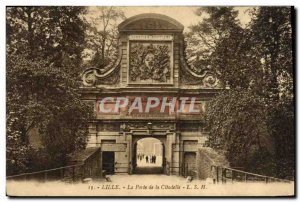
x: 149, y: 156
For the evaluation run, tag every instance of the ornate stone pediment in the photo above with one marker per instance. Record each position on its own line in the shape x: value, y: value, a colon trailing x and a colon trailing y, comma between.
x: 151, y: 53
x: 150, y: 22
x: 205, y: 77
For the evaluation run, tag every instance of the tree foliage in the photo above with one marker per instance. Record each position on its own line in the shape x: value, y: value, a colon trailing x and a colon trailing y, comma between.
x: 237, y: 124
x: 44, y: 45
x: 253, y: 121
x: 54, y: 33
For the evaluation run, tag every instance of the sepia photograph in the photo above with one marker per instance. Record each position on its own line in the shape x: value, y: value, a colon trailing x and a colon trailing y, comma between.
x: 150, y: 101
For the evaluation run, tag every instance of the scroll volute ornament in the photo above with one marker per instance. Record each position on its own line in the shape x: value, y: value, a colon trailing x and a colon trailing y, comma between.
x: 205, y: 76
x: 109, y: 75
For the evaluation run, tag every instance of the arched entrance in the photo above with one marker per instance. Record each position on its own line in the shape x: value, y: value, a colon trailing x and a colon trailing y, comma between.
x: 148, y: 156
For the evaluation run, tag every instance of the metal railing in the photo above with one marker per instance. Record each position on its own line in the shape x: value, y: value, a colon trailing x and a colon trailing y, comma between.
x: 66, y: 173
x: 87, y: 166
x: 224, y: 174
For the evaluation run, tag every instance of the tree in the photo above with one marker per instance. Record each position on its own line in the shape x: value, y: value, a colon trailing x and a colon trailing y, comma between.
x: 219, y: 42
x: 16, y: 150
x: 237, y: 125
x: 39, y: 96
x: 255, y: 61
x: 203, y: 38
x: 272, y: 35
x: 102, y: 35
x: 272, y: 38
x: 54, y: 33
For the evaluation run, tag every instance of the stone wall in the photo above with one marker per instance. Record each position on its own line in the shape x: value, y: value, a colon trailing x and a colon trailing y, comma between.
x: 207, y: 157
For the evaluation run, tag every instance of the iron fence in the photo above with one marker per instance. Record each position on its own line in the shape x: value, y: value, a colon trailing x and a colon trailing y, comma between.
x: 67, y: 173
x: 224, y: 174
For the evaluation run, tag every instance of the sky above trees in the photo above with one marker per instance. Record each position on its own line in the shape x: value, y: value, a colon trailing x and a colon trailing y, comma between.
x: 184, y: 14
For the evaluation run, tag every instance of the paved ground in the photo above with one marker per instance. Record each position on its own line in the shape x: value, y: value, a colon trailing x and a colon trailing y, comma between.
x: 144, y: 167
x: 148, y: 170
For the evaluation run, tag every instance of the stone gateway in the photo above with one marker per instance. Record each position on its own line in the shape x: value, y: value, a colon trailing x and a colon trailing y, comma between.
x: 151, y: 63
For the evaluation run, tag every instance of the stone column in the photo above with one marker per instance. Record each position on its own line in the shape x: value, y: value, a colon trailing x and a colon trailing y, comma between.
x: 181, y: 152
x: 129, y: 151
x: 169, y: 152
x: 176, y: 153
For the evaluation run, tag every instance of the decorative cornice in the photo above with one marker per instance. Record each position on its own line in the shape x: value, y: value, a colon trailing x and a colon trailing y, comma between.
x: 95, y: 76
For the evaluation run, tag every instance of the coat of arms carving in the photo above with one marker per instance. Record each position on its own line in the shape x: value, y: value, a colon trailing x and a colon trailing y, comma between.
x: 150, y: 62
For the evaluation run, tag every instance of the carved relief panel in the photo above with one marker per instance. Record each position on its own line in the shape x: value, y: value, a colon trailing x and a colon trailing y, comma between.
x: 150, y: 59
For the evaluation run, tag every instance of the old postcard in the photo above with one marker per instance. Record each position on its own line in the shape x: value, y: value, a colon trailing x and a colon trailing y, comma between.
x: 150, y: 101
